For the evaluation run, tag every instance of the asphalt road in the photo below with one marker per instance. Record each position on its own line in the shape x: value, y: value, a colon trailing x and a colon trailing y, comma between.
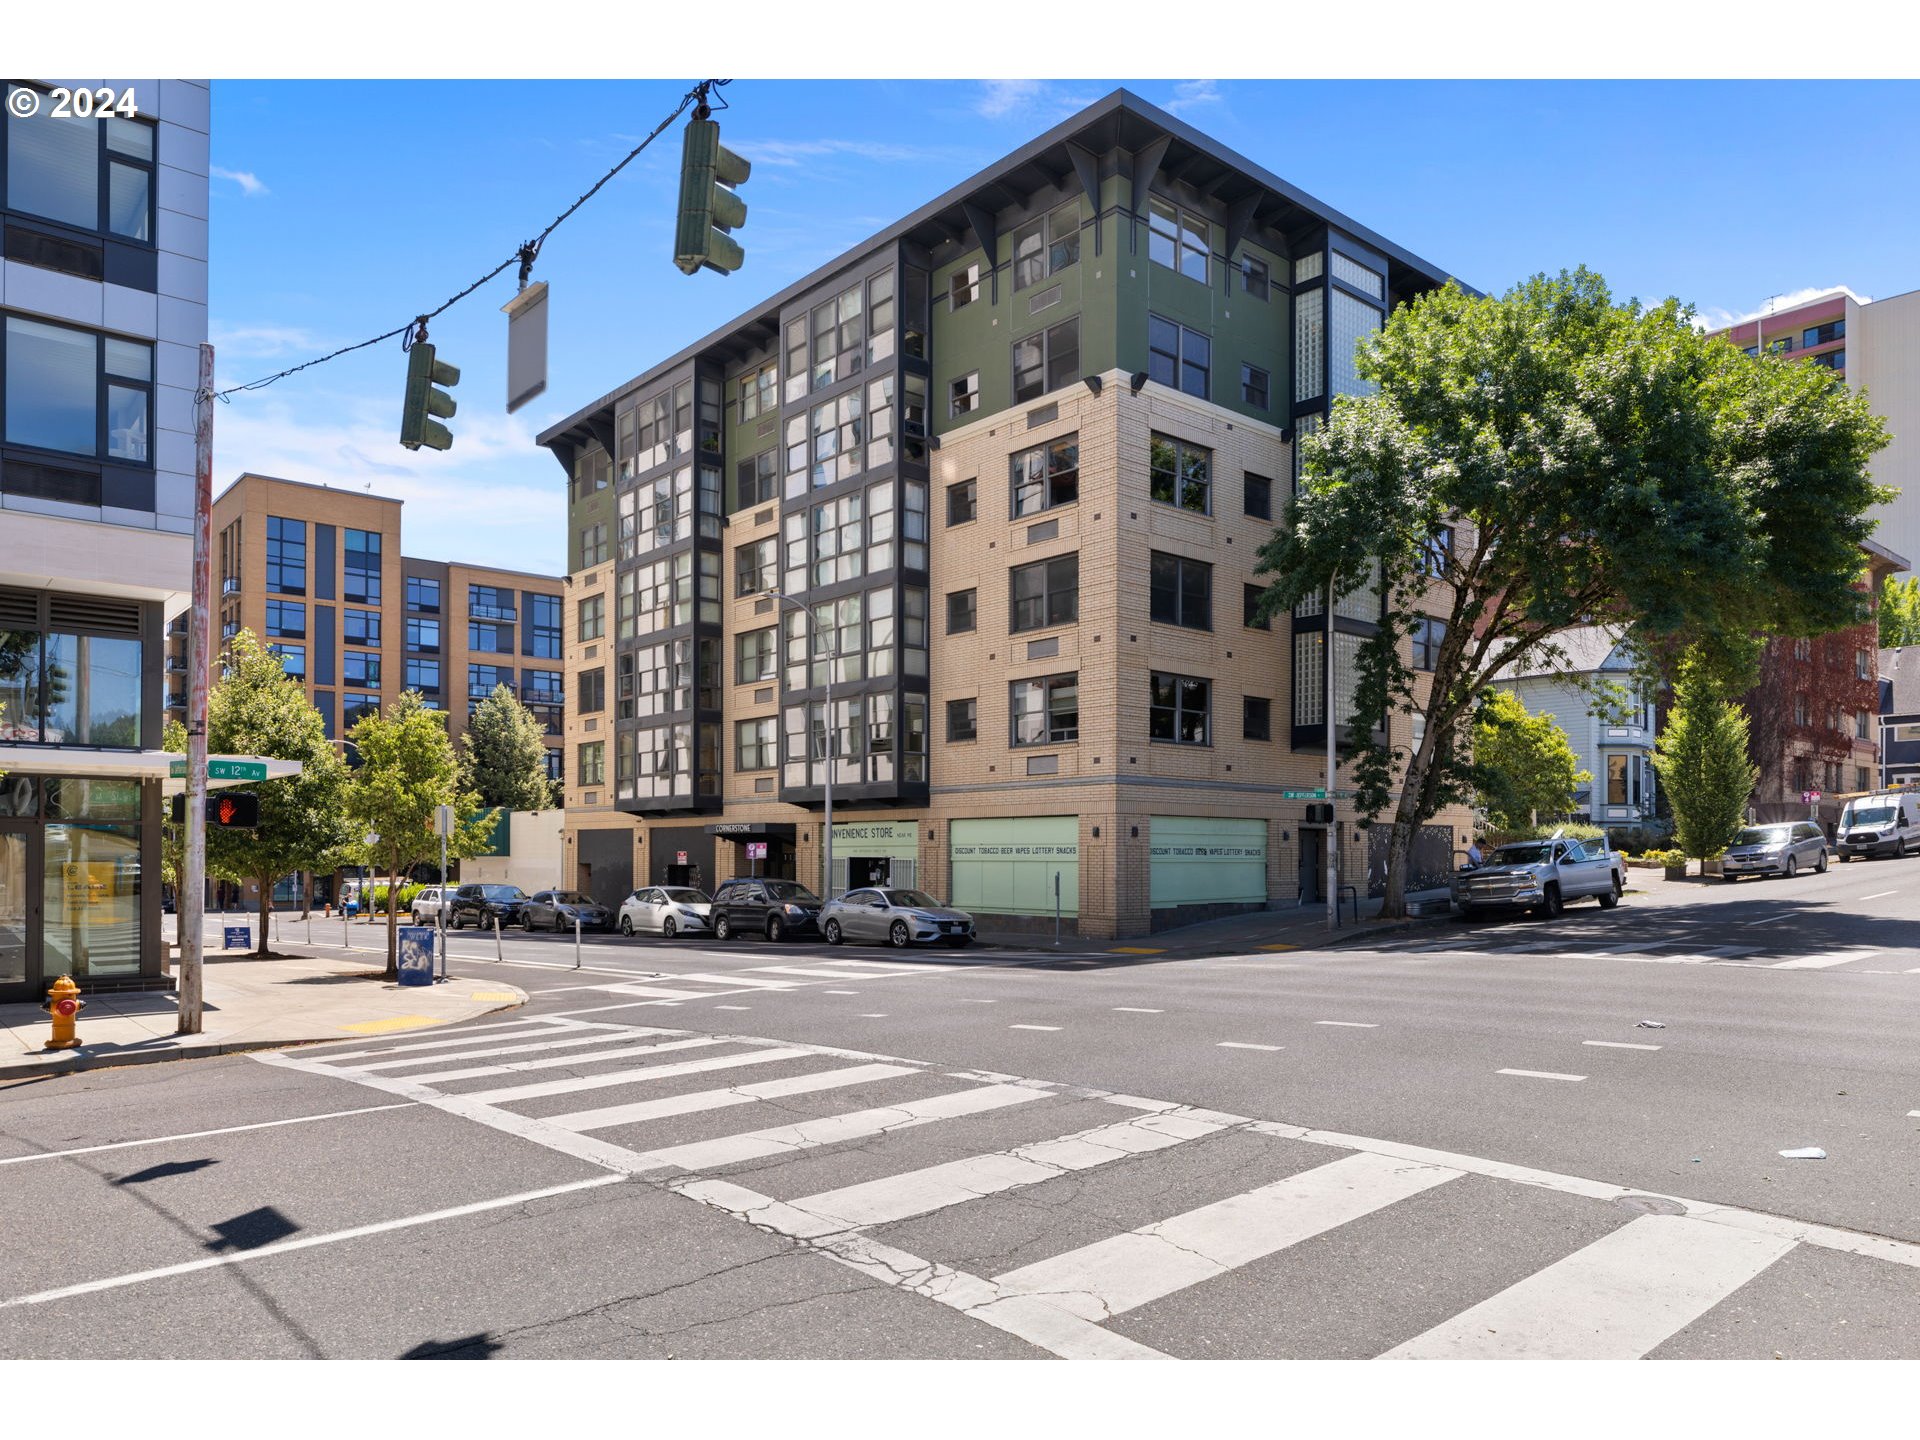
x: 1462, y: 1142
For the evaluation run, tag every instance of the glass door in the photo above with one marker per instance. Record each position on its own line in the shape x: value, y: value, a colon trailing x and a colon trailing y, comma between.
x: 19, y: 912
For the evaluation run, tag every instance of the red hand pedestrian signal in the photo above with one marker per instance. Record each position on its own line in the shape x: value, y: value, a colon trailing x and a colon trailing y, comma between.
x: 228, y: 810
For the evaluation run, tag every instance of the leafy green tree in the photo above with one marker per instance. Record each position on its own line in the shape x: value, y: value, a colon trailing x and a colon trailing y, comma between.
x: 408, y: 770
x: 1701, y: 759
x: 1900, y: 612
x: 1526, y: 769
x: 1548, y: 458
x: 255, y: 709
x: 504, y: 754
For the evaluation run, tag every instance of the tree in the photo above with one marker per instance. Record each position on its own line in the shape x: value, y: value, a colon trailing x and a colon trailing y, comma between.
x: 1701, y: 759
x: 407, y: 771
x: 1545, y: 459
x: 1526, y: 767
x: 1900, y: 612
x: 255, y: 709
x: 504, y: 755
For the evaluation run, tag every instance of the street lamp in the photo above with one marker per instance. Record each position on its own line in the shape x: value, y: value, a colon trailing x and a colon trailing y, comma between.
x: 807, y: 612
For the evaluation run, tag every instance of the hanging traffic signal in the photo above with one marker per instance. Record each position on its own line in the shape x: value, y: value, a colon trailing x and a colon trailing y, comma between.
x: 708, y: 206
x: 424, y: 400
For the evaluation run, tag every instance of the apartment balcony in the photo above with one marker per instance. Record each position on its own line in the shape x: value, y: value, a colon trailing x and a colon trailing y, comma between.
x: 230, y: 585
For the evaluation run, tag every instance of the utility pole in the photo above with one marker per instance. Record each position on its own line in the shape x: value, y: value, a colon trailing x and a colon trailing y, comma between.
x: 1333, y: 811
x: 199, y: 669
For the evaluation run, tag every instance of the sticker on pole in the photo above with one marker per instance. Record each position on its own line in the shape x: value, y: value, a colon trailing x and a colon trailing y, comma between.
x: 416, y: 955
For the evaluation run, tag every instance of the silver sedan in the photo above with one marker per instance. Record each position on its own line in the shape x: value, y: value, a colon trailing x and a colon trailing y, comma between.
x: 667, y: 910
x: 899, y: 917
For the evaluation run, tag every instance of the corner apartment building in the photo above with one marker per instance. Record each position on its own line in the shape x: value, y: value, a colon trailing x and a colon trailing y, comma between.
x: 1875, y: 345
x: 1010, y: 461
x: 320, y: 576
x: 104, y: 295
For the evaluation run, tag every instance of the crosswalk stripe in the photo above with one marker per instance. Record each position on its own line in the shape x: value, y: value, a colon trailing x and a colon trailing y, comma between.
x: 624, y: 1051
x: 655, y: 992
x: 1824, y: 960
x: 741, y: 977
x: 1109, y: 1277
x: 1616, y: 1299
x: 832, y: 1129
x: 919, y: 1192
x: 598, y: 1037
x: 638, y: 1076
x: 809, y: 973
x: 611, y: 1115
x: 520, y: 1030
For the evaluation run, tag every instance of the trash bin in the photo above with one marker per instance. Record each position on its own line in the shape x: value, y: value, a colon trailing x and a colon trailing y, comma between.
x: 416, y: 955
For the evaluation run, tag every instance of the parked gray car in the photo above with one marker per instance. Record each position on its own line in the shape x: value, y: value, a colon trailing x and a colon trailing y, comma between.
x: 1783, y: 849
x: 898, y: 917
x: 557, y: 909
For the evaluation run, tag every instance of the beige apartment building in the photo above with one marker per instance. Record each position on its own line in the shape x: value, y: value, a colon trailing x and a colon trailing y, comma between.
x: 320, y: 576
x: 972, y: 514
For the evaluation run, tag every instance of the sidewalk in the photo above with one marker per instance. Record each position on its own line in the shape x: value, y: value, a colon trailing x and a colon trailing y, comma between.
x: 248, y: 1005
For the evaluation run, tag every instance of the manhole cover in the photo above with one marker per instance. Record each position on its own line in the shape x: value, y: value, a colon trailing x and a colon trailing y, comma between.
x: 1650, y: 1205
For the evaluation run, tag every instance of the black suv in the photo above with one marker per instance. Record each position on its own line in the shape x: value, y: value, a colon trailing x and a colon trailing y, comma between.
x: 776, y: 908
x: 480, y: 905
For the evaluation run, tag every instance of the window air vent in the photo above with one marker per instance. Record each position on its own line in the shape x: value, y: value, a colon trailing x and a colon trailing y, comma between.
x: 19, y: 610
x: 768, y: 426
x: 1043, y: 415
x: 55, y: 252
x: 50, y: 482
x: 1043, y: 649
x: 1046, y: 298
x: 95, y: 613
x: 1045, y: 530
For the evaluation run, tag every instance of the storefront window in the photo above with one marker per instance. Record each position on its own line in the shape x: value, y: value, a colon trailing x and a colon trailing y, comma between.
x: 91, y: 900
x: 91, y: 691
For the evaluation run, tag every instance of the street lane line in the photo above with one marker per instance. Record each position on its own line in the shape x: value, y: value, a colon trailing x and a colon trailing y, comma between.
x: 1033, y: 1027
x: 598, y: 1037
x: 839, y: 992
x: 880, y: 1016
x: 963, y: 1000
x: 1619, y: 1045
x: 201, y: 1134
x: 1112, y: 1276
x: 833, y: 1129
x: 1824, y: 960
x: 625, y: 1051
x: 1881, y: 896
x: 1138, y: 1010
x: 1352, y: 1024
x: 639, y: 1076
x: 741, y: 977
x: 1245, y: 1045
x: 1540, y: 1074
x: 810, y: 974
x: 1615, y: 1299
x: 654, y: 992
x: 733, y: 1007
x: 920, y: 1192
x: 702, y: 1100
x: 309, y: 1241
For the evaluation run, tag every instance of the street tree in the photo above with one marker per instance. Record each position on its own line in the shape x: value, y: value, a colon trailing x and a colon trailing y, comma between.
x: 1900, y: 612
x: 503, y: 755
x: 1701, y: 759
x: 407, y: 770
x: 1545, y: 459
x: 1526, y: 769
x: 255, y: 708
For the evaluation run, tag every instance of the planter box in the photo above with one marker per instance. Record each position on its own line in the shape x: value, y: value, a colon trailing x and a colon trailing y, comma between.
x: 1675, y: 872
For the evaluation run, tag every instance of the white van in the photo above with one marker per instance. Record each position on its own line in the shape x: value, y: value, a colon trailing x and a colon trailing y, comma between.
x: 1884, y: 823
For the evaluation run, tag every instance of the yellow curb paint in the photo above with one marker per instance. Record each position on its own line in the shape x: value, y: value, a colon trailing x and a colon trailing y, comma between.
x: 398, y: 1022
x: 1136, y: 950
x: 1280, y: 947
x: 494, y: 995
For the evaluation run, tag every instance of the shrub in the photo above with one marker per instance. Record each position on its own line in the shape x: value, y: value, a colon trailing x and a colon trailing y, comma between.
x: 1667, y: 858
x: 1567, y: 829
x: 1652, y: 835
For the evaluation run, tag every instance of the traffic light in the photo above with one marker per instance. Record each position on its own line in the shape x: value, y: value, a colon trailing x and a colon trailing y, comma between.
x: 424, y: 400
x: 238, y: 811
x: 708, y: 206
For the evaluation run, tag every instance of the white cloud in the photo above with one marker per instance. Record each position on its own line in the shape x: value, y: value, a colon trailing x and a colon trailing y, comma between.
x: 249, y: 183
x: 1713, y: 317
x: 264, y: 341
x: 1192, y: 94
x: 798, y: 152
x: 1027, y: 100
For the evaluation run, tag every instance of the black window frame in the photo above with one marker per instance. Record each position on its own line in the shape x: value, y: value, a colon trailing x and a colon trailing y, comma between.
x: 1256, y: 276
x: 369, y: 579
x: 963, y: 494
x: 963, y: 287
x: 1252, y: 485
x: 764, y: 746
x: 1176, y: 711
x: 1256, y: 718
x: 1053, y: 356
x: 415, y: 670
x: 596, y: 545
x: 1428, y: 634
x: 104, y: 381
x: 963, y: 724
x: 1059, y: 484
x: 418, y: 587
x: 963, y: 394
x: 755, y: 572
x: 1191, y: 356
x: 1263, y: 399
x: 1178, y: 491
x: 105, y: 158
x: 1051, y: 733
x: 481, y: 631
x: 591, y: 616
x: 280, y: 559
x: 544, y: 633
x: 1184, y: 220
x: 770, y: 656
x: 416, y: 643
x: 963, y: 611
x: 368, y: 634
x: 1179, y: 591
x: 594, y: 773
x: 366, y: 663
x: 756, y: 479
x: 1250, y: 617
x: 1042, y: 263
x: 277, y: 620
x: 592, y: 690
x: 1058, y: 600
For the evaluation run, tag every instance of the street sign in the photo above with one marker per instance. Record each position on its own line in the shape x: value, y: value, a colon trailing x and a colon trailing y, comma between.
x: 1809, y: 797
x: 679, y: 857
x: 1303, y: 794
x: 222, y: 769
x: 443, y: 820
x: 756, y: 850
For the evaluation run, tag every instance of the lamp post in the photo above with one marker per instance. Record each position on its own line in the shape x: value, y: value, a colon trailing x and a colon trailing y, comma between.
x: 827, y: 847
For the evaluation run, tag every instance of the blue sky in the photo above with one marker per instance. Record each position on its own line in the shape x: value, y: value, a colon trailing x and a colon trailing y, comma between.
x: 340, y: 209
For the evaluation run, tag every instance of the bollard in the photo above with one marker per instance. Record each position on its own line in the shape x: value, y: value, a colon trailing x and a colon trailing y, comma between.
x: 346, y: 940
x: 64, y: 1004
x: 576, y: 940
x: 497, y: 953
x: 309, y: 927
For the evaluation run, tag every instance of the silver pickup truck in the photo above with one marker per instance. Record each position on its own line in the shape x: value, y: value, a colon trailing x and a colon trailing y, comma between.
x: 1541, y: 876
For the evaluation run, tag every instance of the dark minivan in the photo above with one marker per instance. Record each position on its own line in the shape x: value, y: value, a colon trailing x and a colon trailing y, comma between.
x: 774, y: 908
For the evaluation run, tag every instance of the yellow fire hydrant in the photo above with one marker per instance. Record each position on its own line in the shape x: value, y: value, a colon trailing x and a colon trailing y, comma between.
x: 64, y: 1004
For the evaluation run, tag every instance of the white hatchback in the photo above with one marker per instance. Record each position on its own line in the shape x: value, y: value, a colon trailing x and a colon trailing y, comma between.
x: 667, y: 910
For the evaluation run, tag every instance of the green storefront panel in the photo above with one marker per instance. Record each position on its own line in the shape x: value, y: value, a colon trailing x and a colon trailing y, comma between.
x: 896, y: 841
x: 1198, y: 860
x: 1006, y: 867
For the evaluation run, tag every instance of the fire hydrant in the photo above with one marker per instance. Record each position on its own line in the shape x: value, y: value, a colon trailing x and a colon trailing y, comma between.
x: 63, y: 1002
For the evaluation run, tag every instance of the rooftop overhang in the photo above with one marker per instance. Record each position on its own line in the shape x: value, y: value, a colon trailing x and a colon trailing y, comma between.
x: 1883, y: 562
x: 124, y: 765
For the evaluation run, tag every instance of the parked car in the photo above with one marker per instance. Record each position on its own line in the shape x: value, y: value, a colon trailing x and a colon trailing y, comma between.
x: 481, y: 905
x: 775, y: 908
x: 898, y: 917
x: 1783, y: 849
x: 667, y: 910
x: 428, y: 904
x: 1886, y: 823
x: 557, y: 909
x: 1541, y: 876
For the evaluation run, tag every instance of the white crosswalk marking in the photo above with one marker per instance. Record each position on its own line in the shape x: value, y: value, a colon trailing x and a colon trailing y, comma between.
x: 641, y: 1110
x: 654, y: 992
x: 636, y: 1076
x: 1824, y: 960
x: 833, y: 1129
x: 1614, y: 1300
x: 919, y: 1192
x: 1110, y: 1277
x: 598, y: 1037
x: 522, y: 1030
x: 741, y: 977
x: 809, y: 973
x: 590, y: 1057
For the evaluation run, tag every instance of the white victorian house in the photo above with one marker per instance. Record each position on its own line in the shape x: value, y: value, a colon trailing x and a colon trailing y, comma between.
x: 1615, y: 746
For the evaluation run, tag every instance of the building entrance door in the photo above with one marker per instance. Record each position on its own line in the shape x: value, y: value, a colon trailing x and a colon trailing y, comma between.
x: 680, y: 875
x: 20, y: 968
x: 1313, y: 866
x: 863, y: 871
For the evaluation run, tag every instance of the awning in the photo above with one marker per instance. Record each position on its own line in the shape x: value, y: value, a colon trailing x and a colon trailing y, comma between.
x: 752, y: 829
x: 134, y: 765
